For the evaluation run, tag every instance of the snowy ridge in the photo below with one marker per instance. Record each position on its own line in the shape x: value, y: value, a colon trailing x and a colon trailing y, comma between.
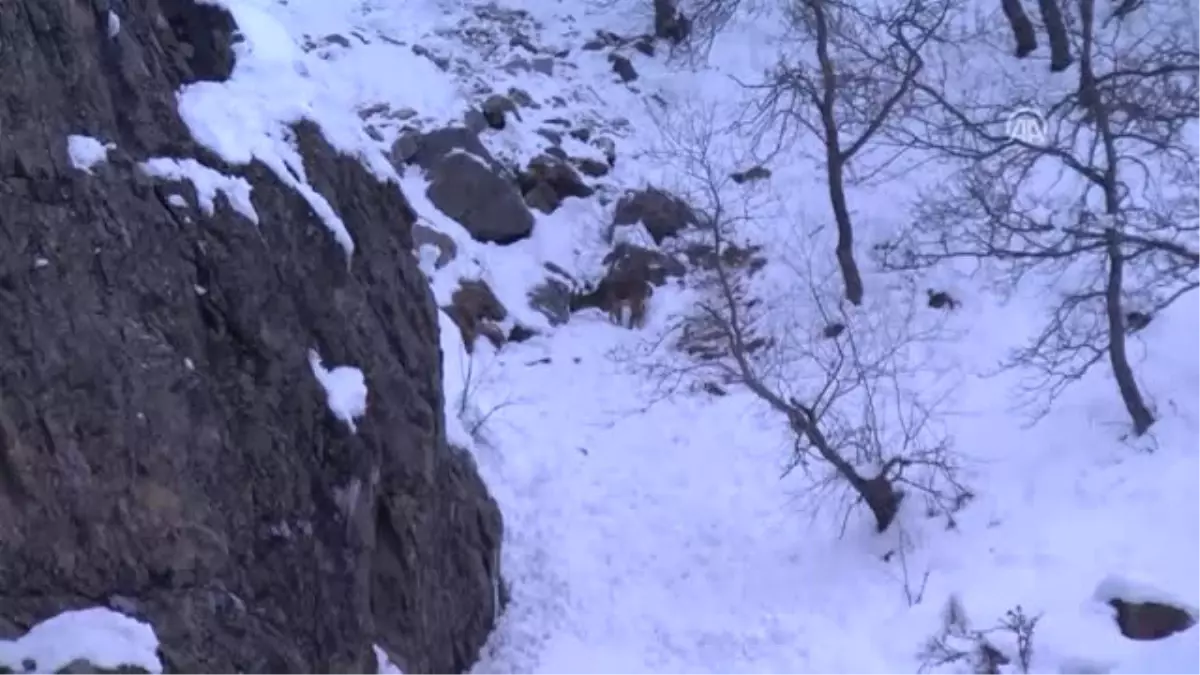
x: 649, y: 534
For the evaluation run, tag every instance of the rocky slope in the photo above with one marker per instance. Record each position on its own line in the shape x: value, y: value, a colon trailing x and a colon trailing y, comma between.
x: 165, y: 448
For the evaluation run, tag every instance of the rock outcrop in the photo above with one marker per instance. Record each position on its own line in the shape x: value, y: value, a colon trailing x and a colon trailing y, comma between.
x: 164, y: 445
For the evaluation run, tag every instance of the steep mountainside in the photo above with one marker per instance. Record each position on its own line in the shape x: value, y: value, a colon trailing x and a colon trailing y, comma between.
x: 165, y: 444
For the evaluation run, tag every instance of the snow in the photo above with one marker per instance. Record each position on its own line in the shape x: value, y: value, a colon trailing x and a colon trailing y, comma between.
x: 114, y: 24
x: 207, y: 181
x: 385, y: 665
x: 86, y: 152
x: 345, y: 390
x: 100, y: 636
x: 652, y: 533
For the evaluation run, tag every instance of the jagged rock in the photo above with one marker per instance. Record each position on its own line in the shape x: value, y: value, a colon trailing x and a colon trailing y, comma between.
x: 581, y: 134
x: 663, y: 214
x: 542, y: 198
x: 521, y: 97
x: 470, y: 186
x: 552, y: 297
x: 551, y: 135
x: 608, y: 146
x: 464, y: 188
x: 591, y: 167
x: 405, y: 148
x: 162, y: 434
x: 442, y: 62
x: 476, y: 122
x: 523, y: 42
x: 424, y: 235
x: 547, y: 181
x: 433, y: 146
x: 495, y: 108
x: 623, y: 67
x: 603, y: 40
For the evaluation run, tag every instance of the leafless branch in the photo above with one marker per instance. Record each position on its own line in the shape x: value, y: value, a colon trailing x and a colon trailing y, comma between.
x: 1101, y: 211
x: 850, y: 398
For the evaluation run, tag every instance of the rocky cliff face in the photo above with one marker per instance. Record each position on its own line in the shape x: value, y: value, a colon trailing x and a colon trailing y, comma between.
x: 165, y: 448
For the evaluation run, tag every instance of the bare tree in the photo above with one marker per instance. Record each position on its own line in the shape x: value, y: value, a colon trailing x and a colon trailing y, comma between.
x: 856, y: 399
x: 1100, y: 204
x: 860, y: 72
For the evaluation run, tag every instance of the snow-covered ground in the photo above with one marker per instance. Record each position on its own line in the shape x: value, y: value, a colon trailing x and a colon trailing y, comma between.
x: 649, y: 533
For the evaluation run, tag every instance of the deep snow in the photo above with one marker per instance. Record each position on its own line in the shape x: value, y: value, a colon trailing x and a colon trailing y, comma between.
x: 651, y: 534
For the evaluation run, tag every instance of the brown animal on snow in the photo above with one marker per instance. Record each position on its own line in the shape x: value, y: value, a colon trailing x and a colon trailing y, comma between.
x: 620, y: 290
x: 626, y: 291
x: 475, y: 309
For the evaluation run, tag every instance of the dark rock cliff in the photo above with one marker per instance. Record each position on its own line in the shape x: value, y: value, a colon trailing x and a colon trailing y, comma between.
x: 164, y: 446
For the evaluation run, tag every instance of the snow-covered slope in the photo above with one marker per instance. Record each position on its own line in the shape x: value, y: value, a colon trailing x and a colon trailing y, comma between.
x: 651, y: 533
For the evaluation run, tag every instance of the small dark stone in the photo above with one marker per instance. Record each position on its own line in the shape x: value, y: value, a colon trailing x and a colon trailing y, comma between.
x: 623, y: 67
x: 941, y: 300
x: 520, y: 333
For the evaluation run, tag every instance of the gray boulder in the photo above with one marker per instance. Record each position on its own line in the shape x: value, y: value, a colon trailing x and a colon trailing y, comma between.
x: 663, y: 214
x: 464, y: 188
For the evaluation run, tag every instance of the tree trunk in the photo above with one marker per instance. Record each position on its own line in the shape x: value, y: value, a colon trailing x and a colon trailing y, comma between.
x: 1022, y: 27
x: 845, y: 241
x: 883, y: 499
x: 1056, y: 30
x: 1117, y: 354
x: 835, y: 160
x: 878, y: 493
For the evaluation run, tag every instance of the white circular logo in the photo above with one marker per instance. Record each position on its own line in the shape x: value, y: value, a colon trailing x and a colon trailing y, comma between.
x: 1027, y: 126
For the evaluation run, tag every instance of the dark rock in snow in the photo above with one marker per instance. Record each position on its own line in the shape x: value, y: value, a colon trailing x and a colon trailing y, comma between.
x: 663, y: 214
x: 552, y: 298
x: 447, y: 250
x: 520, y: 333
x: 470, y: 186
x: 623, y: 67
x: 591, y: 167
x: 464, y: 188
x: 433, y: 146
x: 495, y: 108
x: 1150, y: 620
x: 548, y: 180
x: 162, y: 436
